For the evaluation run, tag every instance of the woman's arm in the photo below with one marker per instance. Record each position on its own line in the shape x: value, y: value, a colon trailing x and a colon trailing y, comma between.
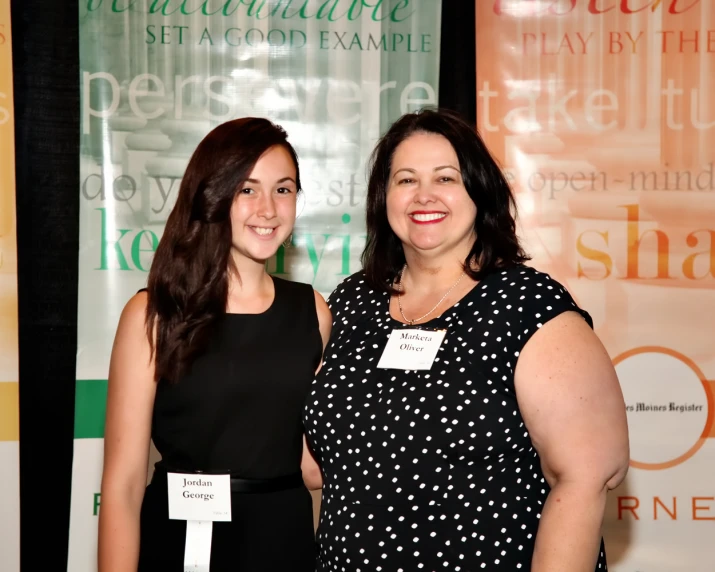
x: 573, y: 407
x: 312, y: 477
x: 130, y: 401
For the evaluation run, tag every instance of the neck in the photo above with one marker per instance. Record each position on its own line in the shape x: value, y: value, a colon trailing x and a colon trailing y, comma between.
x: 249, y: 279
x: 429, y: 275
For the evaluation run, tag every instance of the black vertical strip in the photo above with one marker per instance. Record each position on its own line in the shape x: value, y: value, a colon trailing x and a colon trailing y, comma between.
x: 458, y: 58
x: 45, y: 50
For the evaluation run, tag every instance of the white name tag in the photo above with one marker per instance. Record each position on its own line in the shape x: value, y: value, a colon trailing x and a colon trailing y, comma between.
x: 199, y: 497
x: 411, y: 349
x: 197, y: 552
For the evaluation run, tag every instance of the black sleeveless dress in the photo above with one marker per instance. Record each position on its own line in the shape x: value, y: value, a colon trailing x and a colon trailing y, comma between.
x: 239, y: 411
x: 435, y: 469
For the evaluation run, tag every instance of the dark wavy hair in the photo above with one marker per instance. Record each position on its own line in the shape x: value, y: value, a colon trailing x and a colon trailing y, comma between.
x: 188, y: 280
x: 496, y: 245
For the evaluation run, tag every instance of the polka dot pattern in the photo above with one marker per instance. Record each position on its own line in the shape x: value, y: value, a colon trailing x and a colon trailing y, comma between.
x: 430, y: 470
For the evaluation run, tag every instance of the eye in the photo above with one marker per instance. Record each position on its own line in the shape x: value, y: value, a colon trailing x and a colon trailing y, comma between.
x: 405, y: 181
x: 446, y: 179
x: 246, y: 191
x: 284, y: 191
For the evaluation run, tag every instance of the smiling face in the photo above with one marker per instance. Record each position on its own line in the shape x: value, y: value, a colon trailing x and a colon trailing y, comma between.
x: 428, y: 207
x: 263, y: 210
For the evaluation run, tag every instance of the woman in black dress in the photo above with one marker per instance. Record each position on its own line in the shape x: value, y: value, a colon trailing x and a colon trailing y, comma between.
x: 486, y: 435
x: 213, y: 362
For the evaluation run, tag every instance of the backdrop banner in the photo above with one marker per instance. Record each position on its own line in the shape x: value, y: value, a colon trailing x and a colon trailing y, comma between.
x: 9, y: 403
x: 156, y: 76
x: 602, y: 114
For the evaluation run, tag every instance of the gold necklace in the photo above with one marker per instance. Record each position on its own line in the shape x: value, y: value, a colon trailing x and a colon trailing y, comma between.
x: 399, y: 298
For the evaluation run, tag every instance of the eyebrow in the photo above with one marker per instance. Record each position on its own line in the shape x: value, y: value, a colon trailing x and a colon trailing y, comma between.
x: 410, y: 170
x: 283, y: 180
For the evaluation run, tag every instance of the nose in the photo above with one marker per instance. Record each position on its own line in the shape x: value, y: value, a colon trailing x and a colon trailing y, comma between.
x: 424, y: 193
x: 266, y: 206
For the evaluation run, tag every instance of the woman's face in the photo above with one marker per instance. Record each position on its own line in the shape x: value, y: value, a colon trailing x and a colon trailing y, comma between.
x: 263, y: 211
x: 428, y: 206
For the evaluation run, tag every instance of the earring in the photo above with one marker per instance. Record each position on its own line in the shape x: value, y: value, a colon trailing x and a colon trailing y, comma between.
x: 288, y: 242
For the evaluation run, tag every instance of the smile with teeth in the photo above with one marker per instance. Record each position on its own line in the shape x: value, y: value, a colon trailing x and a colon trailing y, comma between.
x: 427, y: 217
x: 263, y: 231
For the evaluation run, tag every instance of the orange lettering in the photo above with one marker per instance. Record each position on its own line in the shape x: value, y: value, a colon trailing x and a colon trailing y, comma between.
x: 597, y: 7
x: 625, y: 8
x: 595, y: 255
x: 684, y: 40
x: 614, y: 38
x: 689, y: 263
x: 634, y: 243
x: 696, y: 508
x: 711, y: 41
x: 594, y: 9
x: 622, y: 507
x: 664, y: 44
x: 674, y: 3
x: 673, y: 515
x: 531, y: 40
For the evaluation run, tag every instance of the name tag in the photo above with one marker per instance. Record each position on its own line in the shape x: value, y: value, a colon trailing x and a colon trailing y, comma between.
x: 411, y: 349
x: 199, y: 497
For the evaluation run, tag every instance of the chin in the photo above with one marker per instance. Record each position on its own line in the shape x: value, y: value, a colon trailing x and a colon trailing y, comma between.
x: 264, y: 254
x: 425, y: 245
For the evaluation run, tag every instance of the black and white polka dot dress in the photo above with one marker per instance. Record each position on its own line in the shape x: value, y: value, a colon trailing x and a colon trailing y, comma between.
x: 430, y: 470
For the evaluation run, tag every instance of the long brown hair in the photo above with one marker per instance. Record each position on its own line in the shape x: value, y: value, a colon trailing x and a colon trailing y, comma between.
x: 188, y: 280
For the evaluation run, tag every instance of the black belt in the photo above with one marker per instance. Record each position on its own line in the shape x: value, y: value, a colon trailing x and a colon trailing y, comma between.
x: 275, y: 484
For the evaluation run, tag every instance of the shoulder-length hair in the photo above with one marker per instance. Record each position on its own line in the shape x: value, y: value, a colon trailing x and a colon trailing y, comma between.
x: 188, y: 280
x: 496, y: 245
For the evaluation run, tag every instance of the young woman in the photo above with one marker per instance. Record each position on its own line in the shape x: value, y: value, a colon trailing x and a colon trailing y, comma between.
x: 213, y: 362
x: 487, y: 434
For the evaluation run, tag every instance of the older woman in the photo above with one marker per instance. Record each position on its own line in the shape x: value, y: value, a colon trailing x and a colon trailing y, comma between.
x: 466, y: 416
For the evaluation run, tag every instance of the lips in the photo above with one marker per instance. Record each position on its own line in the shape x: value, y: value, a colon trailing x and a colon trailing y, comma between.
x: 427, y: 217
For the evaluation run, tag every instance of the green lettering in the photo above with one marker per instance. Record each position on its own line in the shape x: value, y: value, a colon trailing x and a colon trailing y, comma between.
x: 303, y: 13
x: 393, y: 15
x: 97, y: 498
x: 324, y: 40
x: 153, y: 9
x: 204, y: 36
x: 382, y: 44
x: 204, y: 9
x: 152, y: 37
x: 377, y: 7
x: 263, y: 9
x: 185, y: 12
x: 137, y: 249
x: 313, y: 254
x: 358, y: 4
x: 356, y: 40
x: 346, y: 256
x: 324, y: 8
x: 249, y: 3
x: 181, y: 33
x: 226, y: 7
x: 426, y: 42
x: 118, y: 10
x: 258, y: 11
x: 121, y: 259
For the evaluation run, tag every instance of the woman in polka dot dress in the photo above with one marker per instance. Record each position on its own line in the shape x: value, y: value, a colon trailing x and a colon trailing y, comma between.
x: 499, y: 453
